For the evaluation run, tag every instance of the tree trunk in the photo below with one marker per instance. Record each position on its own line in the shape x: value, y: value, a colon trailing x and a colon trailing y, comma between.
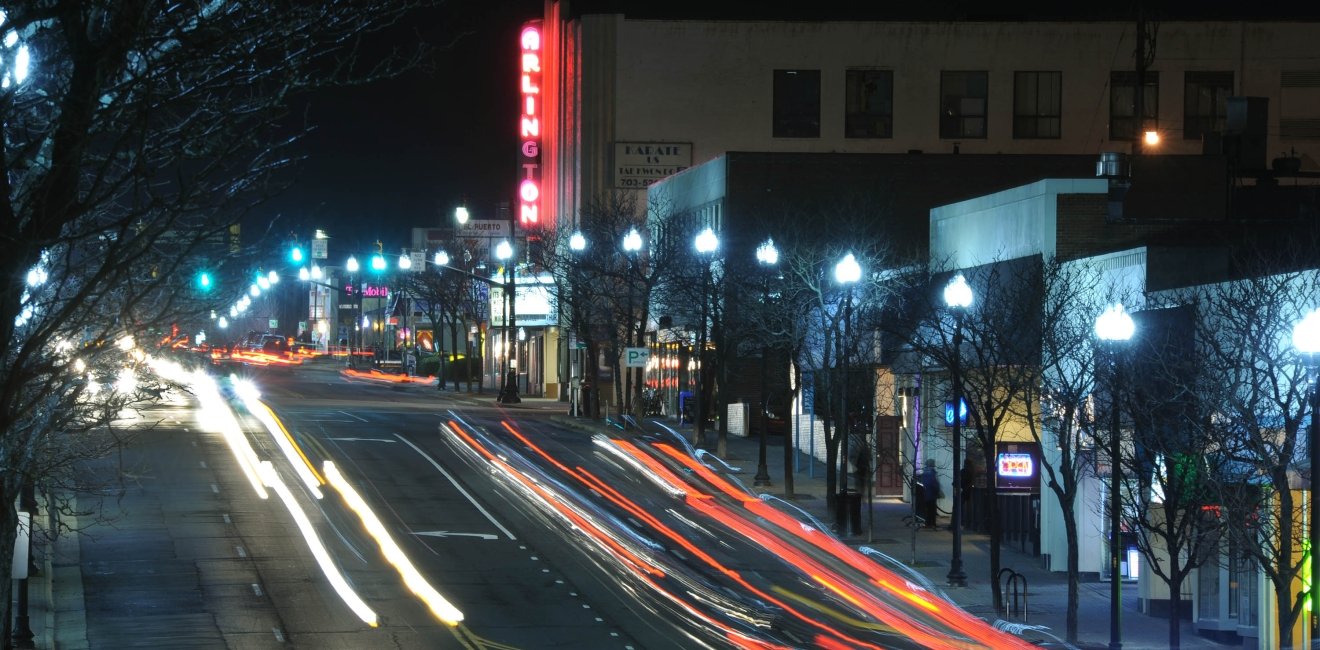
x: 996, y: 532
x: 1074, y: 572
x: 1175, y: 605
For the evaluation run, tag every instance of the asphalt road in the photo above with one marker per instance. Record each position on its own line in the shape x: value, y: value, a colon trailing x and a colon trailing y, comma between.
x: 541, y: 534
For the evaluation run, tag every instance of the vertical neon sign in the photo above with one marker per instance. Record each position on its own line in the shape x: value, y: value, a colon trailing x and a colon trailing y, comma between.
x: 529, y: 129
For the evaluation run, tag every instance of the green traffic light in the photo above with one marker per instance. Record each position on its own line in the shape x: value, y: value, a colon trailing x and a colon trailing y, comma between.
x: 204, y: 280
x: 296, y: 254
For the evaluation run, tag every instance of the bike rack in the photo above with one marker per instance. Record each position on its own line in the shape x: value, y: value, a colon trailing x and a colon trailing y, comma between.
x: 1017, y: 583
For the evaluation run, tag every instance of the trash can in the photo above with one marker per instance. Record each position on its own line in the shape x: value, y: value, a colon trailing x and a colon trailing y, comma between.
x: 854, y: 499
x: 848, y: 512
x: 684, y: 417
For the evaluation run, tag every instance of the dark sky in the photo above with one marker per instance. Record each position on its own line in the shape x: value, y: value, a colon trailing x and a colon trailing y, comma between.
x: 396, y: 154
x: 402, y: 153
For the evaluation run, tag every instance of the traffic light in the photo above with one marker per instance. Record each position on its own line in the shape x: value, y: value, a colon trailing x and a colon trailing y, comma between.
x: 296, y: 254
x: 204, y: 281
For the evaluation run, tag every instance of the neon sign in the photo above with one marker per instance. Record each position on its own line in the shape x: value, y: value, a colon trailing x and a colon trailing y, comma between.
x: 1016, y: 465
x: 529, y: 129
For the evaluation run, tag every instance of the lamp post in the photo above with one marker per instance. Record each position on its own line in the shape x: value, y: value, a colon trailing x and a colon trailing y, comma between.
x: 1306, y: 338
x: 958, y: 297
x: 768, y: 257
x: 312, y: 278
x: 632, y: 242
x: 509, y: 392
x: 352, y: 267
x: 577, y: 243
x: 441, y: 261
x: 847, y: 272
x: 1114, y: 327
x: 706, y: 243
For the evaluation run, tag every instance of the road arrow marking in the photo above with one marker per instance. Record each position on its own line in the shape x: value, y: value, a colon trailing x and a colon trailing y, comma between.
x: 445, y: 533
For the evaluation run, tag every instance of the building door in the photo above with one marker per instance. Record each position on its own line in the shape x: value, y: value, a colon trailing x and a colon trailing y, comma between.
x: 888, y: 461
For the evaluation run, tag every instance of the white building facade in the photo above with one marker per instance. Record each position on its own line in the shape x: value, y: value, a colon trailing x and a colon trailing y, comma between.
x: 618, y: 103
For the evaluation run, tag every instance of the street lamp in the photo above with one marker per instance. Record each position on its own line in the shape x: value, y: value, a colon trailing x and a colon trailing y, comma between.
x: 1306, y: 338
x: 706, y: 243
x: 312, y: 277
x: 1114, y: 327
x: 847, y: 272
x: 958, y: 297
x: 632, y: 242
x: 509, y: 392
x: 577, y: 243
x: 768, y: 257
x: 352, y: 267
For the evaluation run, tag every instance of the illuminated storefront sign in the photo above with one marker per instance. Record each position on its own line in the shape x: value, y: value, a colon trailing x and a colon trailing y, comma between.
x: 529, y: 129
x: 1016, y: 465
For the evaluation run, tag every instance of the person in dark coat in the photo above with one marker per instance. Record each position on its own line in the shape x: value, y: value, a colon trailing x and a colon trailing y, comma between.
x: 930, y: 494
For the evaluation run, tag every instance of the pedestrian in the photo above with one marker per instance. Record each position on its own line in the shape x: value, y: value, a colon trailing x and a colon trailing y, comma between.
x: 931, y: 493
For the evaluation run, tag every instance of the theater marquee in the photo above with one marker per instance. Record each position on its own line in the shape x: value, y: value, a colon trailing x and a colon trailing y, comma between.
x: 529, y: 124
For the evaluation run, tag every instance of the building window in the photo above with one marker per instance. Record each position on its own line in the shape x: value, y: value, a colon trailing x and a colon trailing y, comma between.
x: 962, y: 109
x: 1123, y: 122
x: 1205, y: 103
x: 869, y: 104
x: 1037, y: 104
x: 1299, y: 104
x: 797, y: 104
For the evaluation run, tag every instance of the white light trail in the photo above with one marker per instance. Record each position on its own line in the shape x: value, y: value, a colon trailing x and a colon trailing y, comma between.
x: 337, y: 580
x: 441, y: 608
x: 301, y: 466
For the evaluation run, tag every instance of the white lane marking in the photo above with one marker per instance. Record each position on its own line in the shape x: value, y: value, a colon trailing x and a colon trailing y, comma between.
x: 363, y: 440
x: 279, y: 634
x: 227, y: 519
x: 445, y: 533
x: 256, y: 589
x: 215, y: 488
x: 202, y: 463
x: 353, y: 416
x: 458, y: 487
x: 241, y: 552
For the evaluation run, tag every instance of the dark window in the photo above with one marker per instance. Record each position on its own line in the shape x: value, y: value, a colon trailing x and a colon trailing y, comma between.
x: 1299, y: 94
x: 1123, y: 122
x: 869, y: 104
x: 797, y: 104
x: 1205, y: 103
x: 1037, y: 104
x: 962, y: 109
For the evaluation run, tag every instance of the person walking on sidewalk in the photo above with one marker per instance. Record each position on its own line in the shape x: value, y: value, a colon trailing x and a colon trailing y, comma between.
x: 931, y: 492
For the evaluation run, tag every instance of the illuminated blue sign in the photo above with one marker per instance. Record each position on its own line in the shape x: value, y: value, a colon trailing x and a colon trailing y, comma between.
x: 948, y: 413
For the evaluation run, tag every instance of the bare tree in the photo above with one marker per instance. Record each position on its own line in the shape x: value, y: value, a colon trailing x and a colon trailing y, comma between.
x: 1252, y: 396
x: 1170, y: 465
x: 136, y: 135
x: 448, y: 296
x: 1057, y: 410
x: 996, y: 344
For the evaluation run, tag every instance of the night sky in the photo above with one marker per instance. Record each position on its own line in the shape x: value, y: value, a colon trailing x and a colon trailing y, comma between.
x: 403, y: 153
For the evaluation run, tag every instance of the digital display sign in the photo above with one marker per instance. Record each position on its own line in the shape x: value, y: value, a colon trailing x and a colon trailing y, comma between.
x: 1016, y: 465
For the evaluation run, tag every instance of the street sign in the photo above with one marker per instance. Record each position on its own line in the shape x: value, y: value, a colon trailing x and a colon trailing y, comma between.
x: 418, y: 259
x: 948, y: 413
x: 636, y: 357
x: 320, y: 249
